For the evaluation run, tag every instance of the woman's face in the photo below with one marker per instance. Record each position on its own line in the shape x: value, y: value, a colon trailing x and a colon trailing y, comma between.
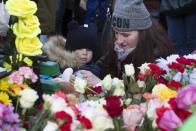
x: 127, y: 40
x: 85, y: 55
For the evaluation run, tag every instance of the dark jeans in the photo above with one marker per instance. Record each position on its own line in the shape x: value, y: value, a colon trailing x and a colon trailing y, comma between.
x: 92, y: 7
x: 182, y: 32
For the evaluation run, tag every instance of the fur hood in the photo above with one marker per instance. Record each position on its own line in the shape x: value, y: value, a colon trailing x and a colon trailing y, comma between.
x: 54, y: 48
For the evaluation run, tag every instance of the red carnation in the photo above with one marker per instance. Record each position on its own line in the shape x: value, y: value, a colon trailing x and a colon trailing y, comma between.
x: 64, y: 115
x: 156, y: 69
x: 66, y: 126
x: 174, y: 84
x: 183, y: 60
x: 113, y: 106
x: 193, y: 61
x: 160, y: 111
x: 176, y: 66
x: 162, y: 80
x: 86, y: 122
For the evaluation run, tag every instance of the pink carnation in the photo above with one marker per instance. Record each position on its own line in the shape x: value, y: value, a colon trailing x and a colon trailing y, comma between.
x: 186, y: 97
x: 27, y: 72
x: 16, y: 78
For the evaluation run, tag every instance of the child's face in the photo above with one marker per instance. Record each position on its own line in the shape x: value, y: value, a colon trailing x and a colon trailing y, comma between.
x: 85, y: 55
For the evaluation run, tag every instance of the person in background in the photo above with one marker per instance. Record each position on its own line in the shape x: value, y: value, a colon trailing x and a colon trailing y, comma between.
x: 181, y: 26
x: 92, y: 7
x: 60, y: 8
x: 47, y: 15
x: 79, y: 49
x: 137, y: 40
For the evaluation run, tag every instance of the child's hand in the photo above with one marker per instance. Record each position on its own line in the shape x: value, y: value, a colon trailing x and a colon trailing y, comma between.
x: 90, y: 77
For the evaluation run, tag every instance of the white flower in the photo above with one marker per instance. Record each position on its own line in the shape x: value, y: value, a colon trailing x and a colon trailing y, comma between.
x: 193, y: 77
x: 141, y: 84
x: 116, y: 83
x: 101, y: 123
x: 177, y: 77
x: 143, y: 68
x: 129, y: 70
x: 152, y: 106
x: 172, y: 58
x: 28, y: 98
x: 164, y: 62
x: 80, y: 85
x: 58, y: 104
x: 190, y: 56
x: 51, y: 126
x: 128, y: 101
x: 119, y: 92
x: 107, y: 83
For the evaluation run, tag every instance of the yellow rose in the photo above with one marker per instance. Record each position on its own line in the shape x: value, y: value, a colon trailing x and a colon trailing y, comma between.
x: 21, y: 8
x: 29, y: 47
x: 163, y: 92
x: 27, y: 27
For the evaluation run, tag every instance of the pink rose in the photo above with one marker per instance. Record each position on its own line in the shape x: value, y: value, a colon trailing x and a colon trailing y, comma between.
x: 168, y: 121
x: 133, y: 116
x: 186, y: 97
x: 16, y: 78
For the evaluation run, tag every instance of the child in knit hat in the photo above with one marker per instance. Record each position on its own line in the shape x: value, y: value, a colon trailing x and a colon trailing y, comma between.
x: 137, y: 40
x: 80, y: 47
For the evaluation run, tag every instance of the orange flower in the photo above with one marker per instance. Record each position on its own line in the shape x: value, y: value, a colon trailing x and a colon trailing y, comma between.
x: 15, y: 89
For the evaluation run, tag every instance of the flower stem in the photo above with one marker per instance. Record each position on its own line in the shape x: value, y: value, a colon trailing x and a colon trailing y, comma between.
x: 116, y: 124
x: 17, y: 103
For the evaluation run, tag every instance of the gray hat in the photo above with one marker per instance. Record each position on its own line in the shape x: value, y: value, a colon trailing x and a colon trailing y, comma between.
x: 130, y: 15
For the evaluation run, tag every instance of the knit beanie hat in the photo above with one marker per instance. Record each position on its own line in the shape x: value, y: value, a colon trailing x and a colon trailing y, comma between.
x: 81, y: 37
x: 130, y: 15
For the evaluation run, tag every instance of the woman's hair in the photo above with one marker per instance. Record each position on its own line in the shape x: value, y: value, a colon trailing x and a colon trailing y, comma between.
x: 153, y: 43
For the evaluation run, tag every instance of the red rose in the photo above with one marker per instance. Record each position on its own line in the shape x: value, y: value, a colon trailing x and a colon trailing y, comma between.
x: 86, y: 122
x: 183, y: 60
x: 174, y: 84
x: 113, y: 106
x: 176, y: 66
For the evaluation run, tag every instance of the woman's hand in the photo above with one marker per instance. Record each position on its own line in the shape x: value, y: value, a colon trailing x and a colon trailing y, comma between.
x: 90, y: 77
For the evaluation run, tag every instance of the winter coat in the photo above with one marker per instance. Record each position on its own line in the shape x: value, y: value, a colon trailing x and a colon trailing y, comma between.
x: 109, y: 63
x: 54, y: 48
x: 166, y: 8
x: 47, y: 15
